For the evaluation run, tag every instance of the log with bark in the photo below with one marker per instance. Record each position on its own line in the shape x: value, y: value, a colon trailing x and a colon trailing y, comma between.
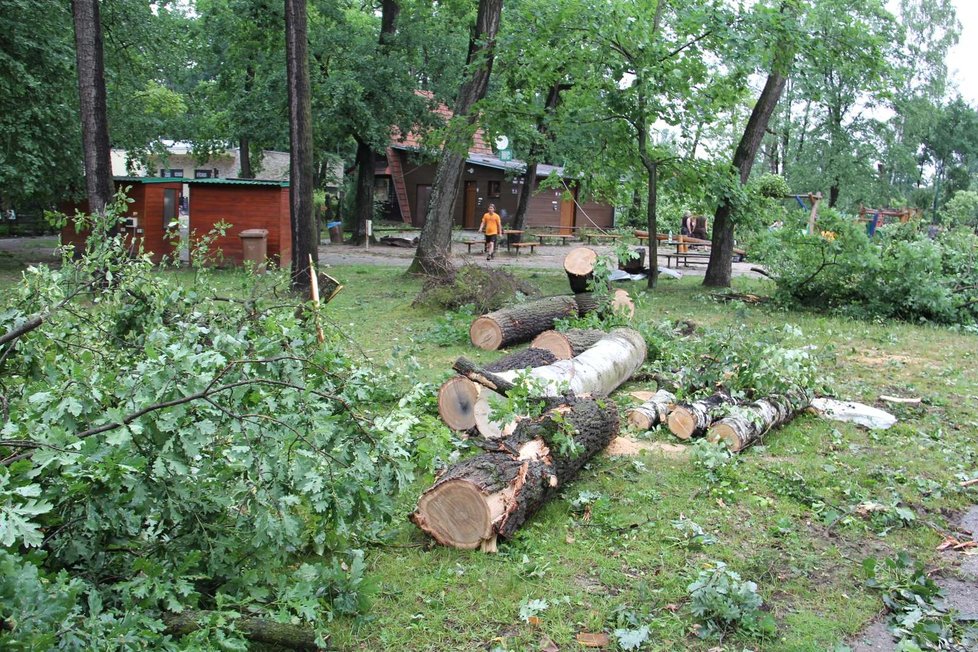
x: 653, y: 411
x: 603, y: 304
x: 565, y: 345
x: 493, y: 494
x: 520, y: 323
x: 599, y: 370
x: 692, y: 419
x: 457, y: 396
x: 747, y: 424
x: 579, y: 265
x: 254, y: 628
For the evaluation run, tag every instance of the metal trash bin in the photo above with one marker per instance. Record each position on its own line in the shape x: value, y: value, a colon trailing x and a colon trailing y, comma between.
x: 254, y: 245
x: 335, y: 232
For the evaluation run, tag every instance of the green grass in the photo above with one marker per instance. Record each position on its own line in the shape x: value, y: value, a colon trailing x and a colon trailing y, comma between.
x: 778, y: 527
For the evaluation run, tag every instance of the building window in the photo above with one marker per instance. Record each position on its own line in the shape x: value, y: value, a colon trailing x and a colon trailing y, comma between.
x: 171, y: 173
x: 203, y: 174
x: 170, y: 209
x: 494, y: 188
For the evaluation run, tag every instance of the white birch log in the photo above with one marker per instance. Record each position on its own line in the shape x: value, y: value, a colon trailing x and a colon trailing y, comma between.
x: 653, y: 411
x: 747, y: 424
x: 692, y: 419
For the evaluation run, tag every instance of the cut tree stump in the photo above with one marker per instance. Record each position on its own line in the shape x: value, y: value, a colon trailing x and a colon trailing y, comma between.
x: 749, y: 423
x: 457, y: 396
x: 565, y: 345
x: 692, y: 419
x: 493, y: 494
x: 519, y: 323
x: 653, y: 411
x: 597, y: 371
x: 579, y: 265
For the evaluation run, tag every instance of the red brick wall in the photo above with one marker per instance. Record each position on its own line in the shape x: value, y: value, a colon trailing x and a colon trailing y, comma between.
x: 244, y: 207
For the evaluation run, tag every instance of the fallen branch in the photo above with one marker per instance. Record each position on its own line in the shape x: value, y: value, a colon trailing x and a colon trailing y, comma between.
x: 254, y: 628
x: 747, y: 424
x: 653, y: 411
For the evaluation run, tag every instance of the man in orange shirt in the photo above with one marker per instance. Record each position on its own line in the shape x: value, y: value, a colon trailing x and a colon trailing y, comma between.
x: 492, y: 226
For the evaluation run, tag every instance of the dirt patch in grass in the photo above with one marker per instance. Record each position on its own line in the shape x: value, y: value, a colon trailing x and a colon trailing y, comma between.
x: 877, y: 359
x: 627, y: 447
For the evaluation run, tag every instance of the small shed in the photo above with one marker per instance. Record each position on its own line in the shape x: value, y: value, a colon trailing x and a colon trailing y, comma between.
x: 244, y: 204
x: 152, y: 213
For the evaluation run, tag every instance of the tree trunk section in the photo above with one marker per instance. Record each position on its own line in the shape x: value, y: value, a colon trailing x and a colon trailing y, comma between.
x: 495, y: 493
x: 568, y: 344
x: 653, y: 412
x: 93, y: 108
x: 434, y: 245
x: 363, y: 208
x: 597, y: 371
x: 244, y: 158
x: 305, y: 234
x: 457, y: 396
x: 260, y: 630
x: 605, y: 304
x: 579, y: 265
x: 519, y: 323
x: 751, y: 422
x: 526, y: 192
x: 689, y: 420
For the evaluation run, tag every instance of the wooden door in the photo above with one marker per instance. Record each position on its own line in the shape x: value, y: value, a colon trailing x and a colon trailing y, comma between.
x: 469, y: 218
x: 568, y: 211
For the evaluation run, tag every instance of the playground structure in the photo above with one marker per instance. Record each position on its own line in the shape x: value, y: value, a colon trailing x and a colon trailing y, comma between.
x: 877, y: 217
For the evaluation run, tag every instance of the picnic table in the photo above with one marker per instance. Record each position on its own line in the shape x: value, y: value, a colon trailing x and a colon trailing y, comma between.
x: 562, y: 238
x: 602, y: 236
x: 513, y: 236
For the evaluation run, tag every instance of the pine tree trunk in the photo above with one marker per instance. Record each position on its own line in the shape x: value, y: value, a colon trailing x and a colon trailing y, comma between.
x: 749, y: 423
x: 93, y: 108
x: 494, y: 494
x: 434, y: 245
x: 652, y: 412
x: 305, y: 234
x: 689, y: 420
x: 519, y: 323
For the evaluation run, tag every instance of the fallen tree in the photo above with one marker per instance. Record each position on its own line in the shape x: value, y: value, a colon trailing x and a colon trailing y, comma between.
x: 457, y: 395
x: 747, y: 424
x: 653, y: 411
x: 597, y: 371
x: 689, y: 420
x: 565, y: 345
x: 493, y: 494
x: 519, y: 323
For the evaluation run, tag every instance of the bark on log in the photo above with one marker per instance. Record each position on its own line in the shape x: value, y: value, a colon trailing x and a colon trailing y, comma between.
x: 749, y: 423
x: 692, y: 419
x: 653, y: 411
x: 260, y: 630
x: 493, y: 494
x: 568, y: 344
x: 603, y: 304
x: 519, y: 323
x: 457, y: 396
x: 579, y: 265
x: 599, y: 370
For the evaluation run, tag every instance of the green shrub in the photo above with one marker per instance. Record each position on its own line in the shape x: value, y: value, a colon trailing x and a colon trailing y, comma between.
x: 722, y: 603
x: 484, y: 288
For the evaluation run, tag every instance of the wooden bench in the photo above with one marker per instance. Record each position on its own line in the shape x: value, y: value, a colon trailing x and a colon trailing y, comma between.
x: 686, y: 256
x: 520, y: 245
x: 602, y: 236
x: 561, y: 237
x: 469, y: 243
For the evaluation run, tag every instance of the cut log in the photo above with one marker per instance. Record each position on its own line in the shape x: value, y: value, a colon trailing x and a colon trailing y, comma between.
x: 520, y: 323
x: 579, y: 265
x: 457, y: 396
x: 567, y: 344
x: 748, y: 423
x: 653, y: 411
x: 254, y: 628
x: 602, y: 304
x: 493, y: 494
x: 599, y: 371
x: 622, y: 303
x: 692, y: 419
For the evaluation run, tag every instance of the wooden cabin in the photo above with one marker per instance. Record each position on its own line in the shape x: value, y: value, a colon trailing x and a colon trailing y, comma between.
x: 244, y: 204
x: 152, y: 215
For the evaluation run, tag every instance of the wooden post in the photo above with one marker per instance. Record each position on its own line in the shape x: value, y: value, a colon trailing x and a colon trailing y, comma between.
x: 813, y: 216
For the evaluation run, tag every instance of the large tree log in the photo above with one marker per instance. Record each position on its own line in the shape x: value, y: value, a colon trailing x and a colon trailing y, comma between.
x: 566, y: 345
x: 653, y: 411
x: 692, y: 419
x: 597, y: 371
x: 603, y: 304
x: 748, y: 423
x: 457, y: 396
x: 254, y: 628
x: 579, y: 265
x: 493, y: 494
x: 519, y: 323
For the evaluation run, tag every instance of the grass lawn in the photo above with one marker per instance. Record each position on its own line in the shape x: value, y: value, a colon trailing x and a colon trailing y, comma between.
x: 784, y: 515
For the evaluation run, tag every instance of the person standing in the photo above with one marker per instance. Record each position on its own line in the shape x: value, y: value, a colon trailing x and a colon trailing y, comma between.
x: 492, y: 226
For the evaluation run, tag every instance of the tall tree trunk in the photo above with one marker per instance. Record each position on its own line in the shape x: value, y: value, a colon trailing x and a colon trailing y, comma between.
x: 244, y: 158
x: 435, y: 242
x: 92, y: 103
x: 363, y: 206
x: 719, y: 269
x: 305, y: 232
x: 652, y: 221
x: 533, y: 158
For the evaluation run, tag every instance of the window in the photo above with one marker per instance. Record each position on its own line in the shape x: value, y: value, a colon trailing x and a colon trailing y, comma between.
x: 494, y: 188
x: 171, y: 173
x: 169, y: 208
x: 203, y: 174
